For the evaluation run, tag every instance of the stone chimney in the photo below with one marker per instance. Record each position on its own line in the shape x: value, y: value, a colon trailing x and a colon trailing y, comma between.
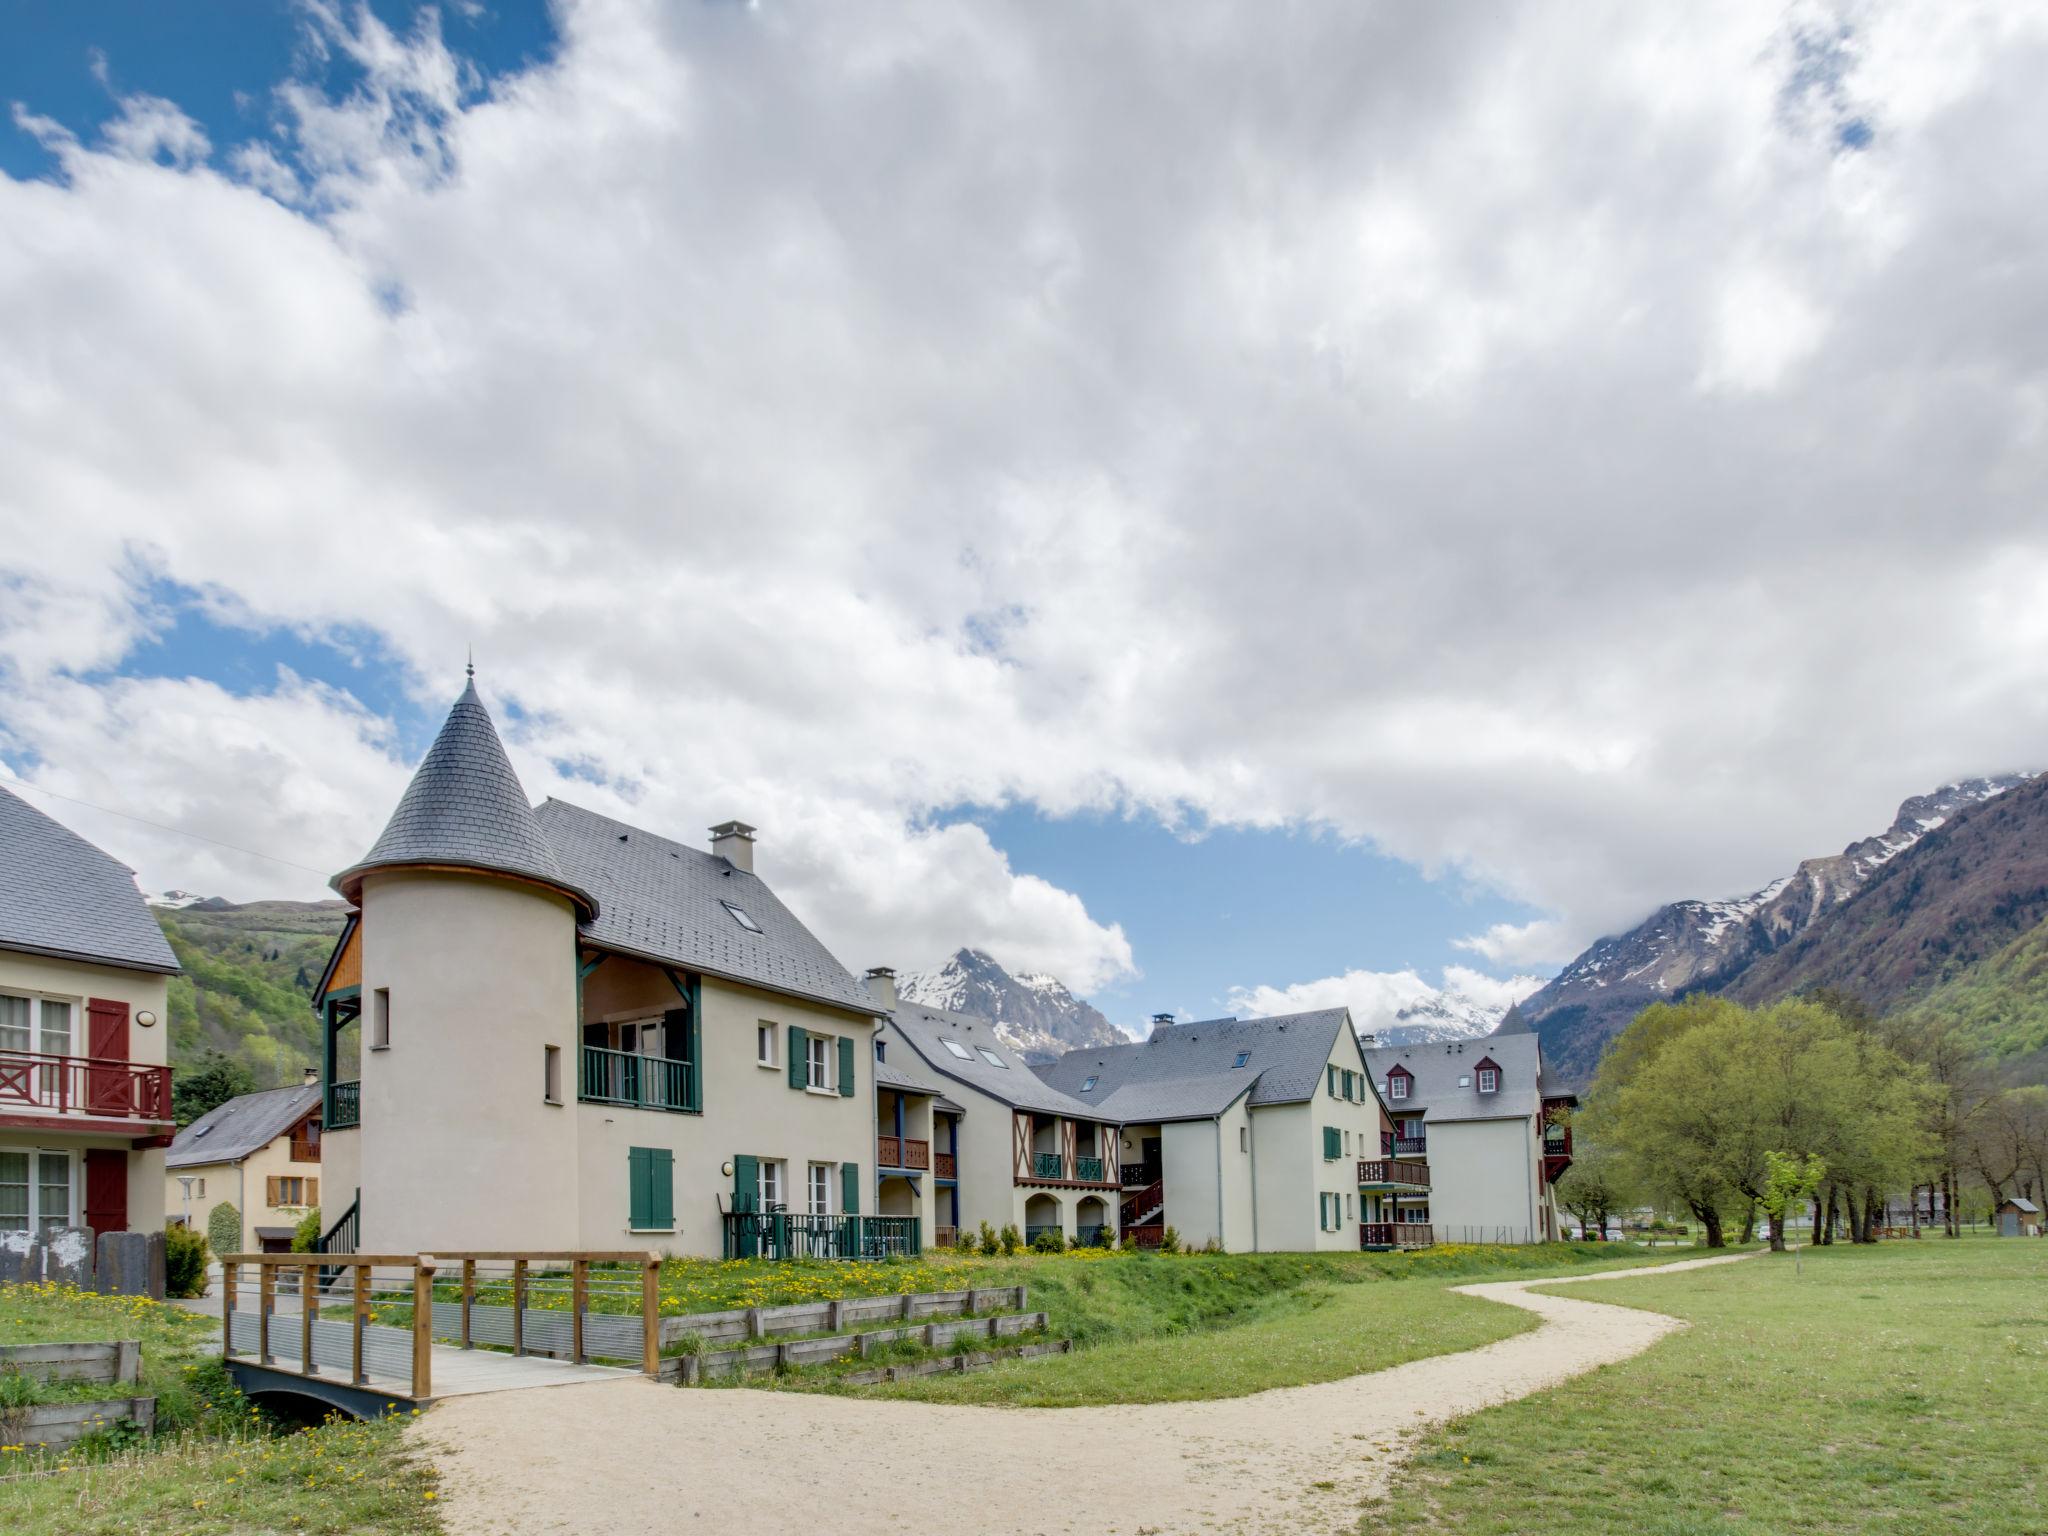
x: 312, y: 1075
x: 882, y: 987
x: 1161, y: 1021
x: 733, y: 841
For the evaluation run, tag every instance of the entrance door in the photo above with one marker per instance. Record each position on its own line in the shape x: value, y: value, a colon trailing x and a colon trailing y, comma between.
x: 2009, y: 1224
x: 106, y: 1190
x: 107, y: 1086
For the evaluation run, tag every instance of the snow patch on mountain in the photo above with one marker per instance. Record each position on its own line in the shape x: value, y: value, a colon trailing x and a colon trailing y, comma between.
x: 1034, y: 1014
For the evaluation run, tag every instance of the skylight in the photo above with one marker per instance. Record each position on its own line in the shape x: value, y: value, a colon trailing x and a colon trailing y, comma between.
x: 739, y: 916
x: 957, y: 1049
x: 992, y: 1058
x: 1087, y: 1085
x: 1242, y: 1058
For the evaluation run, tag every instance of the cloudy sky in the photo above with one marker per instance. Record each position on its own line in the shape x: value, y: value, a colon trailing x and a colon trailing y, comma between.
x: 1229, y: 504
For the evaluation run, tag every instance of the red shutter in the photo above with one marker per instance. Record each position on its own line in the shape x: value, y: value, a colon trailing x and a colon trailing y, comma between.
x: 107, y: 1089
x: 106, y: 1185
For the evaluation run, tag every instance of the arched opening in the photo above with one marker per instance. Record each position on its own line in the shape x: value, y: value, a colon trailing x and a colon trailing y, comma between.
x: 1041, y: 1214
x: 1091, y: 1221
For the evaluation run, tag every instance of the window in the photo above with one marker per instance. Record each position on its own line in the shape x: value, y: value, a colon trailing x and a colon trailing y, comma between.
x: 1489, y: 1079
x: 1244, y: 1138
x: 292, y: 1190
x: 1347, y: 1208
x: 35, y: 1024
x: 739, y: 916
x: 771, y: 1185
x: 1333, y: 1080
x: 764, y: 1044
x: 380, y: 1020
x: 35, y: 1192
x: 1242, y: 1058
x: 1397, y: 1085
x: 818, y: 1067
x: 1333, y: 1146
x: 650, y: 1189
x: 1089, y: 1084
x: 957, y: 1049
x: 992, y: 1058
x: 1347, y: 1143
x: 820, y: 1189
x: 551, y: 1074
x: 881, y: 1049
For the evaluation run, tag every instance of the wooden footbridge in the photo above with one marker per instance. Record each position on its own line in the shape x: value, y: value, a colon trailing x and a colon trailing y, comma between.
x: 372, y: 1334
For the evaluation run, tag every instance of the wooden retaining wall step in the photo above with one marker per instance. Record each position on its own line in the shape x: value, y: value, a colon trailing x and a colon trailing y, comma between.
x: 692, y: 1369
x: 57, y: 1425
x: 962, y: 1362
x: 837, y: 1316
x: 110, y: 1361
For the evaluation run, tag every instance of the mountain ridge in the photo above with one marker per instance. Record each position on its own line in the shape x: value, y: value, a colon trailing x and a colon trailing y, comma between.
x: 1034, y: 1013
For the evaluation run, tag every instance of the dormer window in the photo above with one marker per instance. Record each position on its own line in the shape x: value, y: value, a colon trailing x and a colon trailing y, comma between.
x: 1397, y: 1084
x: 1489, y: 1080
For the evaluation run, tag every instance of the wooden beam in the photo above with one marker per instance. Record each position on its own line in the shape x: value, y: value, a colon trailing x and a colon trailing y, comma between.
x: 650, y: 1316
x: 309, y: 1304
x: 423, y: 1329
x: 359, y: 1318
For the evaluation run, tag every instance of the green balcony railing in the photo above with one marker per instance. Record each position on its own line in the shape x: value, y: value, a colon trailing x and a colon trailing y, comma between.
x: 637, y: 1082
x: 1088, y: 1170
x: 345, y: 1106
x: 1048, y: 1165
x: 792, y: 1235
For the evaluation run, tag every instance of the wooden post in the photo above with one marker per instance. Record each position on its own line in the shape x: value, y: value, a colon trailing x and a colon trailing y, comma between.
x: 579, y: 1297
x: 266, y: 1296
x: 518, y: 1307
x: 227, y: 1308
x: 359, y: 1317
x: 650, y: 1316
x: 422, y: 1329
x: 468, y: 1297
x: 308, y: 1305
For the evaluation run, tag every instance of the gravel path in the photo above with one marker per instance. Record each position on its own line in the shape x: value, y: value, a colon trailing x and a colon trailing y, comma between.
x: 630, y: 1456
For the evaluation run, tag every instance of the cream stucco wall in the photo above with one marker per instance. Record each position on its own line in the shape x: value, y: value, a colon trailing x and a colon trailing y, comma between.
x: 748, y: 1109
x: 457, y: 1149
x: 76, y: 982
x: 1485, y: 1183
x: 246, y: 1186
x: 1240, y: 1217
x: 1187, y: 1170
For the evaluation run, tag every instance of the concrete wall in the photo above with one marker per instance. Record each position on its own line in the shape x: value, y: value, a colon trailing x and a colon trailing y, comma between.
x: 457, y: 1149
x: 1240, y: 1218
x: 142, y: 991
x: 1187, y: 1159
x: 1484, y: 1182
x: 748, y: 1109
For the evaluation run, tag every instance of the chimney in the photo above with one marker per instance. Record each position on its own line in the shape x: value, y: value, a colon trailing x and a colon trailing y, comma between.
x: 312, y: 1076
x: 733, y: 841
x: 882, y: 987
x: 1161, y: 1021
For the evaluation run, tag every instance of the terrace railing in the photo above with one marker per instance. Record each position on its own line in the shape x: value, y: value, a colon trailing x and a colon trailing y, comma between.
x: 902, y: 1152
x: 1136, y: 1175
x: 1388, y: 1171
x: 86, y: 1085
x: 1088, y: 1170
x: 346, y: 1100
x: 1409, y: 1146
x: 1394, y: 1234
x: 1048, y: 1165
x: 791, y: 1235
x: 633, y: 1081
x: 945, y: 1166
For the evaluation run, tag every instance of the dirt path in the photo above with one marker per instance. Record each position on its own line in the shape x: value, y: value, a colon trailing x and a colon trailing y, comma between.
x: 628, y: 1457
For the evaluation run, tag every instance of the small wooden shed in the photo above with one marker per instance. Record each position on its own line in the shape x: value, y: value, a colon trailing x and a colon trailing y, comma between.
x: 2018, y: 1217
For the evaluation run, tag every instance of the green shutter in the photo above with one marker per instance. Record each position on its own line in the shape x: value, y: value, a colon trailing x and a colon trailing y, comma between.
x: 640, y: 1185
x: 799, y: 1055
x: 746, y: 1182
x: 846, y: 1069
x: 1333, y: 1145
x: 849, y: 1188
x: 661, y: 1179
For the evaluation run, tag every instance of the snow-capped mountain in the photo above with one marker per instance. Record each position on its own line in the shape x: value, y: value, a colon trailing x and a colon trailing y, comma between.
x: 175, y: 901
x: 1035, y: 1015
x: 1445, y: 1014
x: 1690, y: 944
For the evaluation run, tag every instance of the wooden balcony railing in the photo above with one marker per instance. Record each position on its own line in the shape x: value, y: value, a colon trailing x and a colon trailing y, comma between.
x: 1137, y: 1175
x: 1392, y: 1172
x: 637, y: 1082
x: 902, y: 1152
x: 1394, y: 1234
x: 1149, y: 1201
x: 944, y: 1236
x: 945, y: 1166
x: 1406, y: 1146
x: 86, y: 1086
x: 345, y: 1106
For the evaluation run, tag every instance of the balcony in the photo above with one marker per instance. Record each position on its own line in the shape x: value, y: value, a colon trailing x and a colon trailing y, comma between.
x: 902, y: 1152
x: 1048, y: 1165
x: 87, y: 1087
x: 788, y: 1235
x: 344, y: 1106
x: 945, y: 1166
x: 1394, y: 1234
x: 632, y: 1081
x: 1393, y: 1173
x: 1088, y: 1170
x: 1138, y: 1175
x: 1409, y: 1146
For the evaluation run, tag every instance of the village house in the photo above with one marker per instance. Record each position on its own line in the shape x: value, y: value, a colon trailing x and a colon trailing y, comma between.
x: 85, y: 1085
x: 259, y: 1153
x: 1480, y: 1117
x: 549, y: 1029
x: 1256, y: 1135
x: 1021, y: 1152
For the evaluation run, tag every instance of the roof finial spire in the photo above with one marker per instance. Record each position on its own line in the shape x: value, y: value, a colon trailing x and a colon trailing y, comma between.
x: 471, y: 668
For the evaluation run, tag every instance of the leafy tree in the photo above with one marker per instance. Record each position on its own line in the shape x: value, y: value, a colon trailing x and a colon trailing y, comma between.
x: 184, y: 1261
x: 1788, y: 1182
x: 1594, y: 1187
x: 211, y: 1083
x: 224, y: 1229
x: 2006, y: 1143
x: 306, y: 1235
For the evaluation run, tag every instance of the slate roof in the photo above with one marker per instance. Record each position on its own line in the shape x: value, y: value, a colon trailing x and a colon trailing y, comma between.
x: 59, y: 895
x: 465, y: 808
x: 1438, y: 1068
x: 1013, y: 1083
x: 1185, y: 1071
x: 229, y: 1132
x: 664, y: 901
x: 889, y: 1075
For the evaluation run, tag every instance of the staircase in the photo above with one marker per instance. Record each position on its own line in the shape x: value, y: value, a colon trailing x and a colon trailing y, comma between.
x: 1144, y: 1208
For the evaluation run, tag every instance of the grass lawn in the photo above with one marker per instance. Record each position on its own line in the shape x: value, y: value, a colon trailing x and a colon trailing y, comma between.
x: 1901, y: 1387
x: 216, y: 1464
x: 1150, y: 1328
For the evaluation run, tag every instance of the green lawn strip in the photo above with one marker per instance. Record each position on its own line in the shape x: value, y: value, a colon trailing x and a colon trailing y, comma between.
x: 215, y: 1463
x: 1895, y: 1387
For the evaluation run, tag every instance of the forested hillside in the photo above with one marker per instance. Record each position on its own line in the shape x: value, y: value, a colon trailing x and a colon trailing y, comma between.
x: 249, y: 974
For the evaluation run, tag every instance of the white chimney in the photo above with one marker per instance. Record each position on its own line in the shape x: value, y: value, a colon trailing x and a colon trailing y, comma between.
x: 882, y: 987
x: 733, y: 841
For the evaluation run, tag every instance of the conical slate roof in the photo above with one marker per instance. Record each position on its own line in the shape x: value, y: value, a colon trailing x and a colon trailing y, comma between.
x: 1512, y: 1022
x: 465, y: 809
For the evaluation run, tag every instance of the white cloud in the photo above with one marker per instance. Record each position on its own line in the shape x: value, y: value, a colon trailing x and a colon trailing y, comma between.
x: 830, y: 416
x: 1378, y: 998
x: 1541, y: 941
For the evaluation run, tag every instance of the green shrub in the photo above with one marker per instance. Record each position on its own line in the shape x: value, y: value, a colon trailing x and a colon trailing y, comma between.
x: 1012, y: 1240
x: 963, y: 1241
x: 1169, y: 1240
x: 306, y: 1235
x: 1045, y: 1242
x: 184, y: 1262
x: 224, y: 1229
x: 989, y: 1243
x: 1105, y: 1237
